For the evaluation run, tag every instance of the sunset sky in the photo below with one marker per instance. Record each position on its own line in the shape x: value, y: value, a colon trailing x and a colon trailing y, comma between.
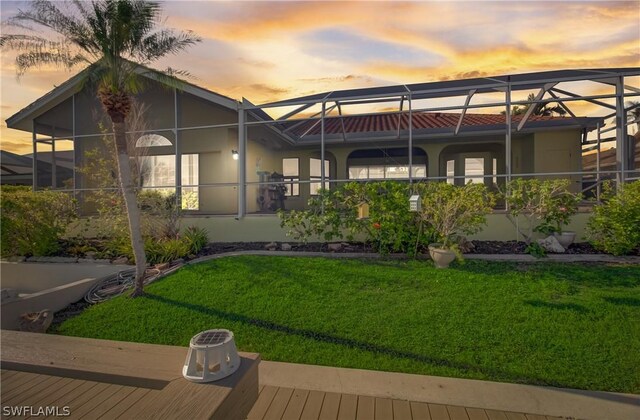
x: 274, y: 50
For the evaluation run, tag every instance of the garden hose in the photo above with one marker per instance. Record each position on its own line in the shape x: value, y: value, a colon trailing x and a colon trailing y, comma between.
x: 116, y: 284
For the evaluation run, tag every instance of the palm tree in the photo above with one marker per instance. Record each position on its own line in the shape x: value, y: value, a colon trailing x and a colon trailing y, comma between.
x: 115, y: 39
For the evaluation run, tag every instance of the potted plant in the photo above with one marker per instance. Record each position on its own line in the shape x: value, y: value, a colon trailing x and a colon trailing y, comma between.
x: 451, y: 211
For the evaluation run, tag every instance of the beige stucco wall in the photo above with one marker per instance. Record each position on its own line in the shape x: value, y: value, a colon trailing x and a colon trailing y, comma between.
x: 265, y: 228
x: 559, y: 151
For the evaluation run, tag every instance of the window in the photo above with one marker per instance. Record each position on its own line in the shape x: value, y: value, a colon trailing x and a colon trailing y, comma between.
x: 451, y: 172
x: 386, y: 171
x: 495, y: 171
x: 315, y: 175
x: 152, y: 140
x: 159, y: 173
x: 190, y: 177
x: 474, y: 170
x: 291, y: 173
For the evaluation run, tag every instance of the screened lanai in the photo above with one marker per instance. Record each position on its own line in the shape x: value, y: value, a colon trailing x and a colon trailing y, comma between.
x: 488, y: 129
x: 224, y: 157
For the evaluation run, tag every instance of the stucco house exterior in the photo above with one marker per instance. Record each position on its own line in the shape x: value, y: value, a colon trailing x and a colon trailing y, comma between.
x: 235, y: 159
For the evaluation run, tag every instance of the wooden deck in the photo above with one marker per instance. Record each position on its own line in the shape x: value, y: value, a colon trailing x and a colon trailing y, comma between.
x: 110, y: 379
x: 278, y: 403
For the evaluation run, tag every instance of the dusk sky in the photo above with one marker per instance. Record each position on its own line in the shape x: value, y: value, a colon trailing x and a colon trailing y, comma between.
x: 274, y: 50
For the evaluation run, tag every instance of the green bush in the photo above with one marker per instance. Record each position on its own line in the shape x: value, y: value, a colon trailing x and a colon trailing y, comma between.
x: 32, y: 223
x: 196, y: 239
x: 165, y: 251
x: 389, y: 227
x: 614, y: 226
x: 546, y: 205
x: 452, y: 211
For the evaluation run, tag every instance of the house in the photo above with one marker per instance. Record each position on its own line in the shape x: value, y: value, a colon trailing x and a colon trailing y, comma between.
x: 18, y: 169
x: 235, y: 159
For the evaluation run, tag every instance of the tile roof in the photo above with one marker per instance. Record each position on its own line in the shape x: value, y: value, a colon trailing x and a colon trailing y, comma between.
x: 420, y: 121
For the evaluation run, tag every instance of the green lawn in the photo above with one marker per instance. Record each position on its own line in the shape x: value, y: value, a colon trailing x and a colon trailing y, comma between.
x: 568, y: 325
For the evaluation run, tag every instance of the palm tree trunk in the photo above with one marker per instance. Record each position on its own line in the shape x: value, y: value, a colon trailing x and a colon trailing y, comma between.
x: 131, y: 203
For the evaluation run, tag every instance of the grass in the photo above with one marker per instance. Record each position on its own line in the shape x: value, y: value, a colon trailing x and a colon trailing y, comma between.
x: 567, y: 325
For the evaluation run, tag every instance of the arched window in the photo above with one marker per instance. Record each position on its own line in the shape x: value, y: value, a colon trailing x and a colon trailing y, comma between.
x: 152, y: 140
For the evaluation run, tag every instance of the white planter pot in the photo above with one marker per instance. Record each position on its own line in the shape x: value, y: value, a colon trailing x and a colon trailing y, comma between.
x: 440, y: 256
x: 565, y: 238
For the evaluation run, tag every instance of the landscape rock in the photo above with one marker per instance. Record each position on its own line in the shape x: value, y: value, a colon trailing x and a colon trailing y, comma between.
x: 285, y: 247
x: 90, y: 255
x: 162, y: 266
x: 551, y: 244
x: 335, y: 247
x: 121, y: 260
x: 271, y: 246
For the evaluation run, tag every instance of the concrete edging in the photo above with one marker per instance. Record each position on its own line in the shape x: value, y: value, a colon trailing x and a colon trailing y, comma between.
x: 567, y: 258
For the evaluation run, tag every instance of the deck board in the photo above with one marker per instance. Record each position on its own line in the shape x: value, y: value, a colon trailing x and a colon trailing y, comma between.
x: 313, y: 406
x: 420, y: 411
x: 296, y: 405
x: 438, y: 412
x: 477, y: 414
x: 384, y: 409
x: 401, y: 410
x: 366, y: 408
x: 457, y: 413
x: 279, y: 404
x: 330, y: 406
x: 264, y: 401
x: 348, y: 407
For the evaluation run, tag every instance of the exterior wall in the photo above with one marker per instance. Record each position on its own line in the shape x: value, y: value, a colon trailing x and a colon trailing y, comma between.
x: 559, y: 151
x: 266, y: 228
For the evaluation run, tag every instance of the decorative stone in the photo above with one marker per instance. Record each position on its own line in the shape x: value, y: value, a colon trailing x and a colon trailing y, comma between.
x: 464, y: 245
x: 33, y: 259
x: 90, y: 255
x: 551, y: 244
x: 334, y: 247
x: 285, y: 247
x: 36, y: 322
x: 121, y: 260
x: 271, y: 246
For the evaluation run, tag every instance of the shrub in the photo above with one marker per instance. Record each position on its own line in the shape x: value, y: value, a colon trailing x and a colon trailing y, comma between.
x: 159, y: 252
x: 34, y: 222
x: 546, y: 205
x: 452, y: 211
x: 196, y: 238
x: 333, y: 214
x: 614, y: 226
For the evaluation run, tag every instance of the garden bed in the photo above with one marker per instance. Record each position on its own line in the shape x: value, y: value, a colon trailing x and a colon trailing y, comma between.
x: 566, y: 325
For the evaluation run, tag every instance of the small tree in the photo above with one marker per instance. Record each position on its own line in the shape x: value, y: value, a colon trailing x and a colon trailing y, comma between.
x: 112, y: 37
x: 454, y: 210
x: 545, y: 205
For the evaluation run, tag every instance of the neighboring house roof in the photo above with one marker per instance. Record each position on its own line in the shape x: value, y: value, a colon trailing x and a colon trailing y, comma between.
x: 443, y: 123
x: 22, y: 119
x: 608, y: 157
x: 18, y: 169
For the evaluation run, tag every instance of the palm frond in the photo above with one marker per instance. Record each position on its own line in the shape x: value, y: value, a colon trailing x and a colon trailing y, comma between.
x: 165, y: 42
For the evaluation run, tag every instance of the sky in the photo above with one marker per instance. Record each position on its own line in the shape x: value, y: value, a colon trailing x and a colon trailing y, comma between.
x: 267, y: 51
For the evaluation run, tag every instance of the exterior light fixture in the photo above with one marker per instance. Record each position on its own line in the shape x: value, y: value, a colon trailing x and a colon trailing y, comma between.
x: 234, y: 154
x: 212, y: 356
x: 415, y: 203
